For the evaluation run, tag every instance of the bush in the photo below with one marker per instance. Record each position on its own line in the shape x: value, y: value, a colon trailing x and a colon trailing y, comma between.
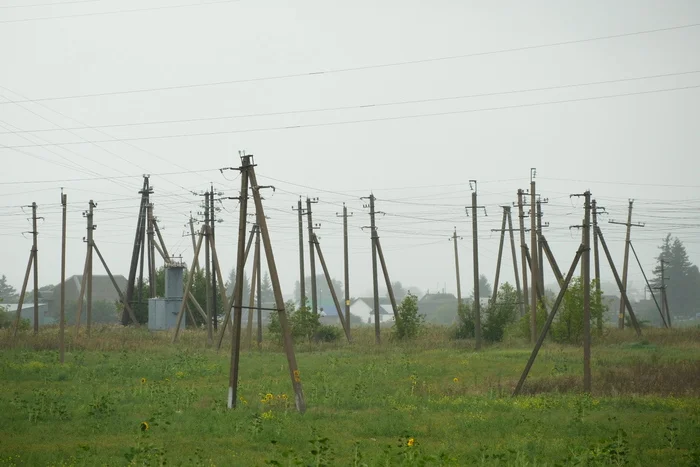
x: 327, y: 333
x: 304, y: 323
x: 410, y: 321
x: 465, y: 326
x: 501, y: 314
x: 568, y: 326
x: 7, y: 321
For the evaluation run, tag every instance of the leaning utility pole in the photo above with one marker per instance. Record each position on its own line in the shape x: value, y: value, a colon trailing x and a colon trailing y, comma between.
x: 459, y: 285
x: 664, y: 296
x: 346, y: 266
x: 302, y: 277
x: 506, y: 211
x: 62, y: 317
x: 139, y: 247
x: 534, y: 263
x: 625, y: 264
x: 475, y: 258
x: 32, y: 261
x: 375, y: 281
x: 312, y: 257
x: 540, y: 236
x: 596, y: 260
x: 215, y: 262
x: 498, y: 261
x: 258, y: 287
x: 523, y: 246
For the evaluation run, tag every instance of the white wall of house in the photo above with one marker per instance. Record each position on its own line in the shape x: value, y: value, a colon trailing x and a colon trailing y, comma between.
x: 365, y: 312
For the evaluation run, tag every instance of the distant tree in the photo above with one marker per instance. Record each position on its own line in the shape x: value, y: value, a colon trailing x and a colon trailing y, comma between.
x: 7, y: 292
x: 268, y: 295
x: 324, y: 293
x: 682, y: 278
x: 230, y: 284
x: 399, y: 291
x: 485, y: 289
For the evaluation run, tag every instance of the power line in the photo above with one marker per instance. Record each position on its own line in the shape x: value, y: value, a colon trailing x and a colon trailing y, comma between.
x: 354, y: 107
x: 102, y: 13
x: 65, y: 180
x: 365, y: 67
x: 368, y: 120
x: 49, y: 4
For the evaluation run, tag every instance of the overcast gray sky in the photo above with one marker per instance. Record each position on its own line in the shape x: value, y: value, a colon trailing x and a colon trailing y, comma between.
x: 299, y: 85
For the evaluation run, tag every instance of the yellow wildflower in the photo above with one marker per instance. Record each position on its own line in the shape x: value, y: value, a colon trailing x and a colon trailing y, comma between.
x: 145, y: 426
x: 143, y: 380
x: 455, y: 380
x: 410, y: 442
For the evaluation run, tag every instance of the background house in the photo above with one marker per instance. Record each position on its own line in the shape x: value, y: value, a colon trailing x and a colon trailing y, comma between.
x: 363, y: 308
x: 104, y: 298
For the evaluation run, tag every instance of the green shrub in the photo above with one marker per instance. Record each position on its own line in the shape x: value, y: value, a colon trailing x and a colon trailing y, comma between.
x: 304, y: 323
x: 7, y: 320
x: 568, y: 325
x: 410, y: 321
x: 465, y: 321
x: 501, y: 314
x: 327, y: 333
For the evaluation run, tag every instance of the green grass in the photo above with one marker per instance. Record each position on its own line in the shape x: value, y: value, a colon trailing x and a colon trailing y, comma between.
x: 364, y: 403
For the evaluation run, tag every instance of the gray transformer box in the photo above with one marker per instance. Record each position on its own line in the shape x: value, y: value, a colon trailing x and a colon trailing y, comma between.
x: 162, y: 313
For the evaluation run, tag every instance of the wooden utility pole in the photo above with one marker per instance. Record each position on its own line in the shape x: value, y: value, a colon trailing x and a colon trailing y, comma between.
x: 548, y: 323
x: 596, y: 262
x: 459, y: 282
x: 475, y: 260
x: 523, y: 246
x: 312, y: 257
x: 214, y: 260
x: 251, y: 301
x: 516, y: 273
x: 207, y: 271
x: 623, y: 292
x: 389, y: 286
x: 188, y: 284
x: 534, y: 263
x: 346, y: 266
x: 294, y: 372
x: 88, y: 281
x: 625, y: 264
x: 22, y: 293
x: 138, y: 249
x: 343, y: 322
x: 651, y: 290
x: 375, y: 281
x: 35, y: 252
x: 259, y: 287
x: 587, y: 294
x: 664, y: 295
x: 302, y: 278
x: 192, y: 235
x: 238, y: 289
x: 540, y: 247
x: 62, y: 317
x: 227, y: 309
x: 151, y: 253
x: 498, y: 261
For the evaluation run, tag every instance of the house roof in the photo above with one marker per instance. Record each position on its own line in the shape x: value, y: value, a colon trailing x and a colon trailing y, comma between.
x: 384, y: 303
x: 434, y: 297
x: 102, y: 287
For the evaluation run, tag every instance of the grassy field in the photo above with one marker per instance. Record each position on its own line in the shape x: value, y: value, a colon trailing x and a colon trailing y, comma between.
x: 126, y: 396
